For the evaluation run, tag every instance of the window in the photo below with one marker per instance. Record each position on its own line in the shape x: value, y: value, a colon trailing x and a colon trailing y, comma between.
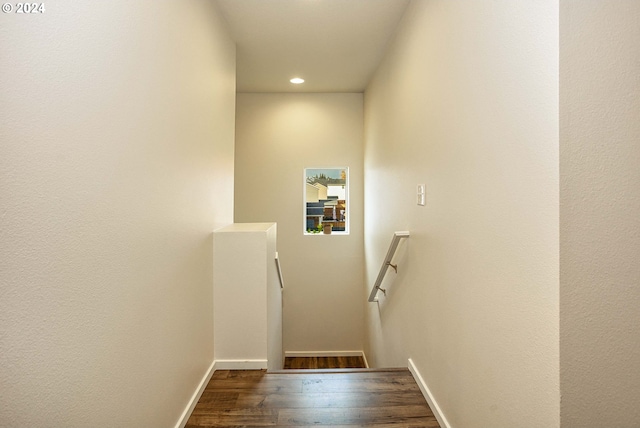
x: 326, y: 197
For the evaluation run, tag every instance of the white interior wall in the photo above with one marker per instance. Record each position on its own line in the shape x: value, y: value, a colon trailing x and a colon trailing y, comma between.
x: 600, y: 213
x: 116, y: 165
x: 277, y: 136
x: 247, y: 310
x: 466, y: 102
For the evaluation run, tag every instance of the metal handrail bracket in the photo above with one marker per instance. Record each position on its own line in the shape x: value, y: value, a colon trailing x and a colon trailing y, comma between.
x: 279, y: 271
x: 397, y: 236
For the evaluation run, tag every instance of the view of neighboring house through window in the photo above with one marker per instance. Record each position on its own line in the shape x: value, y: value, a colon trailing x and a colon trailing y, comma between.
x: 326, y: 201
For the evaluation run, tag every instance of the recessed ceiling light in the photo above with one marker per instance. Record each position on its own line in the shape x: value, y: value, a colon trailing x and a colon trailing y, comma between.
x: 296, y: 80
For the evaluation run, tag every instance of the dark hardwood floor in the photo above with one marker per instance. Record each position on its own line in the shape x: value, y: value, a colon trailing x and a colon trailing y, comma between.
x: 324, y: 363
x: 365, y: 398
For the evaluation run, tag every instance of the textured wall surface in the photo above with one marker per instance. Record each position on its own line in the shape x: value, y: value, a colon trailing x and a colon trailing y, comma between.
x: 277, y: 136
x: 116, y: 164
x: 600, y: 213
x: 466, y: 102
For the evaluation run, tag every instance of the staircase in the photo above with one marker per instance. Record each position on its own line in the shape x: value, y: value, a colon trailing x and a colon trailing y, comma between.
x: 338, y: 362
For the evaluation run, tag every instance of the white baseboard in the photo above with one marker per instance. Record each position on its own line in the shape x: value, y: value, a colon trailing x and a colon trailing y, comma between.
x: 442, y: 420
x: 196, y: 396
x: 241, y: 364
x: 364, y: 357
x: 324, y: 354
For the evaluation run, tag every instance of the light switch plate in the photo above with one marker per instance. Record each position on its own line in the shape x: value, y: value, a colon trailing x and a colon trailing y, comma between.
x: 421, y: 194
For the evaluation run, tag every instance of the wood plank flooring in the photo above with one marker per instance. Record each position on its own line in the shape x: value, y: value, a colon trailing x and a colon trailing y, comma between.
x: 324, y: 363
x: 255, y: 398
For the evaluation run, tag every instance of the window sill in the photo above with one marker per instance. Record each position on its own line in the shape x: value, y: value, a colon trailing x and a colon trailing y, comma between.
x: 326, y: 234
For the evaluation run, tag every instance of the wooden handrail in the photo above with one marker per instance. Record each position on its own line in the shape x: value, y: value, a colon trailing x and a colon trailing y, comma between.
x: 397, y: 236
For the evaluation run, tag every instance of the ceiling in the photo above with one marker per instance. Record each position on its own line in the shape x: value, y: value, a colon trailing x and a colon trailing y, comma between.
x: 335, y: 45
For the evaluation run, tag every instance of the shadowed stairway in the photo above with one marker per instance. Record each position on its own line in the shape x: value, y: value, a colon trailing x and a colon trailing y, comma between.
x: 301, y: 398
x: 324, y: 363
